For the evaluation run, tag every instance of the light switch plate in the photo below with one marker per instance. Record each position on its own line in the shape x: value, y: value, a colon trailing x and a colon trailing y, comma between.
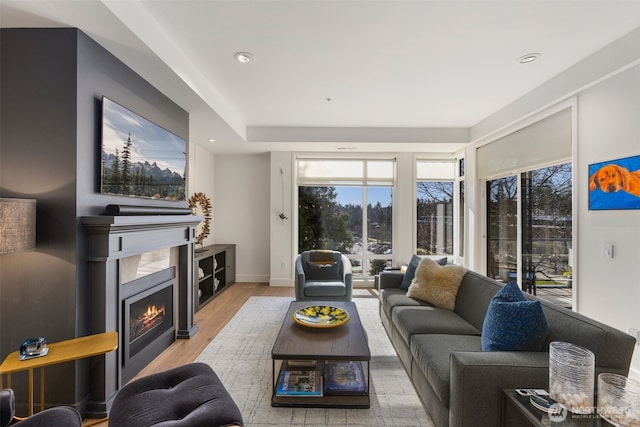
x: 607, y: 250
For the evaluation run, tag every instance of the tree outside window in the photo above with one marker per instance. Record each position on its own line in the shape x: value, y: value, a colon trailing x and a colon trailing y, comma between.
x: 434, y: 217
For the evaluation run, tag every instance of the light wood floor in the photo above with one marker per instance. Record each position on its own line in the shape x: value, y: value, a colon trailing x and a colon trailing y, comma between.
x: 210, y: 320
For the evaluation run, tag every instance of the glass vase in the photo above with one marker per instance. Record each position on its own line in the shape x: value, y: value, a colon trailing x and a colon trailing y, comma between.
x: 571, y: 376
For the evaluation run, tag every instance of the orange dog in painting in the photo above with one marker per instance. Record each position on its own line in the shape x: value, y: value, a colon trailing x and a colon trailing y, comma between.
x: 612, y: 178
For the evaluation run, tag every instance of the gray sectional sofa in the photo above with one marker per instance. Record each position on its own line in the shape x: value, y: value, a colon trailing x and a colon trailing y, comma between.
x: 458, y: 383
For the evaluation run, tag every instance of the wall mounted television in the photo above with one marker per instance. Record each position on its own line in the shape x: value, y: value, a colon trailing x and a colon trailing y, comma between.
x: 140, y: 158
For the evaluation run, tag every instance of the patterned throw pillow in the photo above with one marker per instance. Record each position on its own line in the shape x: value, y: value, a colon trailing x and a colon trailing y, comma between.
x: 436, y: 284
x: 514, y: 323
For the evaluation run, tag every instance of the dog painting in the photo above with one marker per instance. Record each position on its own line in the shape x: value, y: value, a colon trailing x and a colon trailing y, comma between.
x: 615, y: 184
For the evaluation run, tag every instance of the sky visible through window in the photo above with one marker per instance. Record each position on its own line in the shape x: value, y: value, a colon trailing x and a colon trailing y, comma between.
x: 353, y: 195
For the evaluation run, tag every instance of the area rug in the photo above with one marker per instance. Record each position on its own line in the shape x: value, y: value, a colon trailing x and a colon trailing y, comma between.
x: 241, y: 356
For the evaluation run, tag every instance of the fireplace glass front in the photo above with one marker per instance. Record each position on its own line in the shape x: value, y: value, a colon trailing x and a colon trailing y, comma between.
x: 148, y: 326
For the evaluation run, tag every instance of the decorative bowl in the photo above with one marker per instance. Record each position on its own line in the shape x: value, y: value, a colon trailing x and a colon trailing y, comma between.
x: 321, y: 316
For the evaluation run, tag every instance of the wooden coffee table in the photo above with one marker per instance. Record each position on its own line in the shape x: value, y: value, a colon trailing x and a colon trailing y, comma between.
x: 295, y: 342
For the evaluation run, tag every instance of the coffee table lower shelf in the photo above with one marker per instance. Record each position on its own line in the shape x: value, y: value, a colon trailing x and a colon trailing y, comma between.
x: 355, y: 402
x: 350, y: 401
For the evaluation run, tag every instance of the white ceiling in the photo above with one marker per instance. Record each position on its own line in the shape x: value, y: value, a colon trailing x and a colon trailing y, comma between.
x: 365, y: 75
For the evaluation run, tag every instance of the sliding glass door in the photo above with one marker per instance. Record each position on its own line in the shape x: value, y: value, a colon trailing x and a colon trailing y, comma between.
x: 529, y: 228
x: 502, y: 228
x: 546, y: 227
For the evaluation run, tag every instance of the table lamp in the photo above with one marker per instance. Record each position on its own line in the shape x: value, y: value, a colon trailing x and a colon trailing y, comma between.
x: 17, y: 225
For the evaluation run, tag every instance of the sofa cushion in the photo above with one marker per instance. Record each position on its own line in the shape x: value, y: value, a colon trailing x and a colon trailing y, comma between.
x: 429, y: 320
x: 394, y: 297
x: 513, y: 323
x: 432, y: 352
x: 436, y: 284
x: 411, y: 272
x: 474, y: 296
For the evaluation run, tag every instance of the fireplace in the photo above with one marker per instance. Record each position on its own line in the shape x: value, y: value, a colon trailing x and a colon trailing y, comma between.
x: 148, y: 325
x: 130, y: 274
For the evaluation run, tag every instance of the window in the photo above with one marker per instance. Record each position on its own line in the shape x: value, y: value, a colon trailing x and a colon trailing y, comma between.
x: 546, y: 225
x: 529, y: 205
x: 434, y: 204
x: 502, y: 228
x: 347, y: 205
x: 461, y: 220
x: 461, y: 207
x: 544, y: 228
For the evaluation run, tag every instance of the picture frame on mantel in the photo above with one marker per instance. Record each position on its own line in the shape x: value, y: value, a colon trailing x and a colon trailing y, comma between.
x: 615, y: 184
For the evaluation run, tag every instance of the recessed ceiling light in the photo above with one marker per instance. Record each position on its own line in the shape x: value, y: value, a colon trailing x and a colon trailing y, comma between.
x: 244, y: 57
x: 212, y: 140
x: 529, y: 57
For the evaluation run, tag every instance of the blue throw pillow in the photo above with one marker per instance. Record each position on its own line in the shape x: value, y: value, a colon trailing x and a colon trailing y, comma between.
x: 514, y: 323
x: 411, y: 272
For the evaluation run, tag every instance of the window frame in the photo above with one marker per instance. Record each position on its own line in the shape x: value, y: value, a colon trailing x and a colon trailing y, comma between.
x: 365, y: 181
x: 439, y: 177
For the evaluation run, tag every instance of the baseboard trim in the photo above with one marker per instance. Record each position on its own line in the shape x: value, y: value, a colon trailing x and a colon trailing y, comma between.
x: 252, y: 278
x: 281, y: 282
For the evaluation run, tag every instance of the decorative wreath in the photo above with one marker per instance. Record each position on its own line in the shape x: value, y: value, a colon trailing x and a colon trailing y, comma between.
x: 200, y: 199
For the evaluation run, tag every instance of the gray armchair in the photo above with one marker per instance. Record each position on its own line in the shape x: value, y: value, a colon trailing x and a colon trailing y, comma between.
x: 323, y: 276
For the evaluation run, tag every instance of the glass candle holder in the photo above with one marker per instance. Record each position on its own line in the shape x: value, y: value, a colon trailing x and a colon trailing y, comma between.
x: 619, y: 399
x: 571, y: 376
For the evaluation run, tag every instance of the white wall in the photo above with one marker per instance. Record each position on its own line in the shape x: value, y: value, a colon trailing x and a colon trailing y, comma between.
x: 241, y: 212
x: 608, y: 129
x: 201, y: 166
x: 281, y: 245
x: 607, y: 87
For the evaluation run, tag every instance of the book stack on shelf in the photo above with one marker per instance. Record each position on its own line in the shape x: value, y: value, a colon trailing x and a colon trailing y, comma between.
x: 305, y: 378
x: 344, y: 378
x: 302, y: 383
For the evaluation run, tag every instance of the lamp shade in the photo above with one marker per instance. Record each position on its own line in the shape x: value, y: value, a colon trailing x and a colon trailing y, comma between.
x: 17, y: 225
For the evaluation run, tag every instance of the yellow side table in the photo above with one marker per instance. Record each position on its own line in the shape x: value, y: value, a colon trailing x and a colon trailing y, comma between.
x: 59, y: 352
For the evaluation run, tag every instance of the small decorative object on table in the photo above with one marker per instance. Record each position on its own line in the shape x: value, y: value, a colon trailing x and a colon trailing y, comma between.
x: 571, y: 376
x: 321, y: 316
x: 33, y: 347
x: 619, y: 400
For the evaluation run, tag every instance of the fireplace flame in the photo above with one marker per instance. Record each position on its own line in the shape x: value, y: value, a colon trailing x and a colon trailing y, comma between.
x: 146, y: 321
x: 153, y: 311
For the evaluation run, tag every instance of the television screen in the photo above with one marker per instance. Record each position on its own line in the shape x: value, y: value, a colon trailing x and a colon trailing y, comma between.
x: 140, y: 158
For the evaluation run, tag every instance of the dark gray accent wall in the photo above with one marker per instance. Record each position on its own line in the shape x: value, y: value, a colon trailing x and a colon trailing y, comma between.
x: 51, y: 86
